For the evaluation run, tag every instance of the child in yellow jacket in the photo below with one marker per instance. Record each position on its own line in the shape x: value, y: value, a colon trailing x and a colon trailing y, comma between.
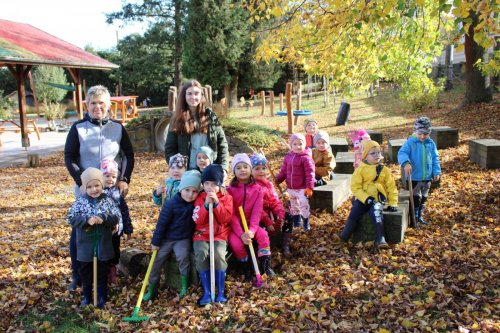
x: 373, y: 186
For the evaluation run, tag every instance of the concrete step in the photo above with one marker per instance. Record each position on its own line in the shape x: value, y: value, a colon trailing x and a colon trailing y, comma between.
x: 328, y: 197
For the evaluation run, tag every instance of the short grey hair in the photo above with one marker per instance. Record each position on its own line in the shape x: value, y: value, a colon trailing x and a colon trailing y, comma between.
x: 98, y: 91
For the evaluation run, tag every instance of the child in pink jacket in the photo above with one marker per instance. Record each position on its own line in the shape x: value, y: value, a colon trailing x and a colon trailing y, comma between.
x: 247, y: 194
x: 273, y: 207
x: 298, y: 171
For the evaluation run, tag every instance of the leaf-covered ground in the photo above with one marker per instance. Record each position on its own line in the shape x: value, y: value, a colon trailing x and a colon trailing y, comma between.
x: 442, y: 278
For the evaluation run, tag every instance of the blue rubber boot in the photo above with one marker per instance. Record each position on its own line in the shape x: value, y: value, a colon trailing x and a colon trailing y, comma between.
x: 102, y: 295
x: 87, y: 295
x: 205, y: 283
x: 220, y: 280
x: 307, y: 226
x: 297, y: 220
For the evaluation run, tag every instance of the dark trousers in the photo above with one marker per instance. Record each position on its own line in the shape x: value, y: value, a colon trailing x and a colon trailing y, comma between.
x: 116, y: 247
x: 72, y: 254
x: 357, y: 211
x: 86, y: 272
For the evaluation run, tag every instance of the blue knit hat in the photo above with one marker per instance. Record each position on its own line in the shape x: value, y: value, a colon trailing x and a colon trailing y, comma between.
x: 207, y: 151
x: 213, y: 173
x: 257, y: 159
x: 191, y: 178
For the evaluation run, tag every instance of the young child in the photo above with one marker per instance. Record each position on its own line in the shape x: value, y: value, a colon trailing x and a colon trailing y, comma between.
x: 109, y: 169
x: 298, y: 171
x: 174, y: 232
x: 176, y: 167
x: 212, y: 180
x: 324, y: 161
x: 204, y: 157
x: 271, y: 202
x: 373, y: 186
x: 94, y: 216
x: 357, y: 136
x: 311, y: 127
x: 247, y: 194
x: 420, y: 158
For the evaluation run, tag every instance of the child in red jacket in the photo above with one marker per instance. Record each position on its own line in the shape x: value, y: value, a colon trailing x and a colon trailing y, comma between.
x: 212, y: 180
x: 271, y: 203
x: 247, y: 194
x: 298, y: 171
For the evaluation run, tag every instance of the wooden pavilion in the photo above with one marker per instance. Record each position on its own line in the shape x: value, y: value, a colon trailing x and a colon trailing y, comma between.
x: 23, y: 46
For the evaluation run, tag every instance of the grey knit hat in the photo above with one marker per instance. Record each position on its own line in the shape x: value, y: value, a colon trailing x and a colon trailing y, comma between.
x: 207, y: 151
x: 191, y: 178
x: 321, y: 135
x: 422, y: 125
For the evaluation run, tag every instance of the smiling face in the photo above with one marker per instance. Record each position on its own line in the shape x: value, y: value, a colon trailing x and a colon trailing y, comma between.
x: 110, y: 178
x: 259, y: 172
x: 242, y: 171
x: 374, y: 156
x: 94, y: 188
x: 311, y: 128
x: 193, y: 97
x: 322, y: 145
x: 202, y: 161
x: 175, y: 172
x: 298, y: 146
x: 98, y: 109
x: 189, y: 194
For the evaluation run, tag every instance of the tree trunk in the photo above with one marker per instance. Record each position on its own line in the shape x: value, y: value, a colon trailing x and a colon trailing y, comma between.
x: 178, y: 43
x: 231, y: 92
x: 475, y: 83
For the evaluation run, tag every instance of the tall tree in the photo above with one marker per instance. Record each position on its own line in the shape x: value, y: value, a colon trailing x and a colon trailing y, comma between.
x: 169, y: 13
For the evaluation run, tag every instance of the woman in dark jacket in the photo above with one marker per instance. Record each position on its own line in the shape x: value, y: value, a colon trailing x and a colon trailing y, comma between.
x: 194, y: 125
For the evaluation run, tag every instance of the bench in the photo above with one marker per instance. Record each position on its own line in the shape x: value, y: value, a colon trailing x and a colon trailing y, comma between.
x: 338, y: 145
x: 345, y: 163
x: 376, y: 136
x: 444, y: 136
x: 393, y: 148
x: 485, y: 152
x: 328, y: 197
x: 395, y: 225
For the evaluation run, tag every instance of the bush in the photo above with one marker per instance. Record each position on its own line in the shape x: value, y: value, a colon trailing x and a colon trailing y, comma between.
x: 6, y: 107
x: 420, y: 92
x: 255, y: 136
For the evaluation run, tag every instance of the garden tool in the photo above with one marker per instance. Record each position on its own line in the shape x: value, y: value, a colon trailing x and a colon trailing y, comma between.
x: 258, y: 282
x: 135, y: 317
x: 96, y: 235
x: 212, y: 250
x: 413, y: 220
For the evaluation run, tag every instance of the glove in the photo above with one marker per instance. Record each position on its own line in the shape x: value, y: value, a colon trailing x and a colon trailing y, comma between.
x: 370, y: 201
x: 392, y: 209
x: 308, y: 192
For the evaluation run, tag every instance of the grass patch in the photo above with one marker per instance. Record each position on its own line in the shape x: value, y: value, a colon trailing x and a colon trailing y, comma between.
x: 254, y: 135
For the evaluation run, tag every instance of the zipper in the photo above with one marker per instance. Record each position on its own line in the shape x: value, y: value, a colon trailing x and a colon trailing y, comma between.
x: 291, y: 174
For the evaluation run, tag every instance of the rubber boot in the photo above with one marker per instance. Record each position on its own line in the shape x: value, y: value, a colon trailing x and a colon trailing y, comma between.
x: 220, y: 280
x: 421, y: 211
x: 184, y: 285
x: 307, y: 226
x: 152, y: 292
x: 102, y: 295
x: 249, y: 271
x: 380, y: 242
x: 286, y: 244
x: 75, y: 282
x: 296, y: 220
x: 265, y: 266
x: 112, y: 274
x: 86, y: 295
x: 205, y: 283
x: 349, y: 228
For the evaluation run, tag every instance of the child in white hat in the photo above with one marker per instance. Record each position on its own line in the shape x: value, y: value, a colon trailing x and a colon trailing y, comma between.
x: 177, y: 165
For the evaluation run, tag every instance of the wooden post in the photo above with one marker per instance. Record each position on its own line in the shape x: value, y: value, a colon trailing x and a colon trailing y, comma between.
x: 299, y: 95
x: 172, y: 98
x: 209, y: 95
x: 84, y: 85
x: 281, y: 101
x: 325, y: 91
x: 288, y: 94
x: 271, y: 102
x: 35, y: 97
x: 263, y: 106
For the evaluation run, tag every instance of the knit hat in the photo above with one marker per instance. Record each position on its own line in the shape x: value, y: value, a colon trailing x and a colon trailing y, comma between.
x: 257, y: 159
x: 207, y: 151
x: 91, y: 174
x: 296, y: 136
x: 366, y: 145
x: 178, y: 160
x: 241, y: 158
x: 109, y: 166
x: 321, y: 135
x: 308, y: 121
x: 191, y: 178
x: 213, y: 173
x: 422, y: 125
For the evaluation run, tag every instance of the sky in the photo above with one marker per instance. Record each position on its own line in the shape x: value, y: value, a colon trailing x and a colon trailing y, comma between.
x: 81, y: 22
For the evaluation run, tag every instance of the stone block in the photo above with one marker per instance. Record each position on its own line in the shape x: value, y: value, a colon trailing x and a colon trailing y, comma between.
x: 444, y: 136
x: 395, y: 225
x: 393, y: 147
x: 328, y: 197
x: 376, y: 136
x: 485, y: 152
x: 338, y: 145
x: 345, y: 163
x: 172, y: 276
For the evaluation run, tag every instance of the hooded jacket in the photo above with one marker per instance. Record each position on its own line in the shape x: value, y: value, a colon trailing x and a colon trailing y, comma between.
x: 423, y: 157
x: 298, y: 170
x: 324, y: 163
x: 249, y: 196
x: 223, y: 213
x: 271, y: 203
x: 363, y: 185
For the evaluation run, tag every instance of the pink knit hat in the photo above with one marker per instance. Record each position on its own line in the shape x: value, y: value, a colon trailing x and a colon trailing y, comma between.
x: 297, y: 136
x: 241, y: 158
x: 108, y: 166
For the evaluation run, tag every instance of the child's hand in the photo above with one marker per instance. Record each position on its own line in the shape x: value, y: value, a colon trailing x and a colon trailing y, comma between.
x: 94, y: 220
x: 154, y: 247
x: 408, y: 169
x: 392, y: 209
x: 308, y: 192
x: 115, y: 229
x: 211, y: 197
x: 160, y: 190
x: 435, y: 178
x: 99, y: 220
x: 370, y: 201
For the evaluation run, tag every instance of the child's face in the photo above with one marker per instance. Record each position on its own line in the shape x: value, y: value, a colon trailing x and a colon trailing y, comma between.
x: 175, y: 172
x: 374, y: 156
x: 94, y: 188
x: 322, y: 145
x: 193, y: 97
x: 210, y: 186
x: 298, y: 146
x: 311, y: 128
x: 422, y: 136
x: 259, y: 172
x: 189, y: 194
x: 202, y: 161
x: 242, y: 171
x: 110, y: 179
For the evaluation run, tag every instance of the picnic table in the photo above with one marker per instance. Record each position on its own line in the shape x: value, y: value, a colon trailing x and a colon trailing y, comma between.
x: 125, y: 106
x: 17, y: 127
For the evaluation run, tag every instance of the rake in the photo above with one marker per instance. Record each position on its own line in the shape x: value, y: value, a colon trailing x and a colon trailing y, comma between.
x: 258, y: 282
